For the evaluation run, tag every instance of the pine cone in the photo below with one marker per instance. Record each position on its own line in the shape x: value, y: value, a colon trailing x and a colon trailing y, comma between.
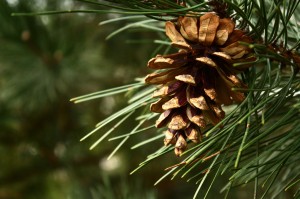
x: 197, y: 79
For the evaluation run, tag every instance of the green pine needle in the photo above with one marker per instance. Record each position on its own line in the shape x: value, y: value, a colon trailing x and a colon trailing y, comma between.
x: 258, y: 138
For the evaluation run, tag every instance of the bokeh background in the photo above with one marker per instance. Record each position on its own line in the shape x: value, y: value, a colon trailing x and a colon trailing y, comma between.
x: 45, y: 61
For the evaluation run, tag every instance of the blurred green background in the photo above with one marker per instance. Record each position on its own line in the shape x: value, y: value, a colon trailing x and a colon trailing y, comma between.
x: 45, y: 61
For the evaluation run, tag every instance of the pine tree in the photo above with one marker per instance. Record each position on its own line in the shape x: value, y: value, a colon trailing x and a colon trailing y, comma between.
x: 254, y: 140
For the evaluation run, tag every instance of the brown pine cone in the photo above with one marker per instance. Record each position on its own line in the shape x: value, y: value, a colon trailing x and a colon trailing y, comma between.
x: 197, y: 79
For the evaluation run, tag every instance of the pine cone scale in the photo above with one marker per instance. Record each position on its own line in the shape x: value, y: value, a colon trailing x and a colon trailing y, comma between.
x: 207, y: 30
x: 189, y: 28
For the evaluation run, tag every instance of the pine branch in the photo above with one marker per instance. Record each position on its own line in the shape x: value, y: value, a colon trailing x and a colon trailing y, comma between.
x: 257, y: 141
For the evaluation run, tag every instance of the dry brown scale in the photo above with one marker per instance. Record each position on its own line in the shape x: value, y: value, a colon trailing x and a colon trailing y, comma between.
x: 197, y: 80
x: 291, y: 56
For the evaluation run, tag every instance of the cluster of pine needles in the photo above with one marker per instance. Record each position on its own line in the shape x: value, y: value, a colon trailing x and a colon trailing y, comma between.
x: 258, y: 140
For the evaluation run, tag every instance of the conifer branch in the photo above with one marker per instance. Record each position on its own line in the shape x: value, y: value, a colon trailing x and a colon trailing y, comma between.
x: 257, y: 141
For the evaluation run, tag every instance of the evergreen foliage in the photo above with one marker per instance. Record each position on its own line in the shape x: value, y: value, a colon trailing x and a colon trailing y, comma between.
x: 257, y: 142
